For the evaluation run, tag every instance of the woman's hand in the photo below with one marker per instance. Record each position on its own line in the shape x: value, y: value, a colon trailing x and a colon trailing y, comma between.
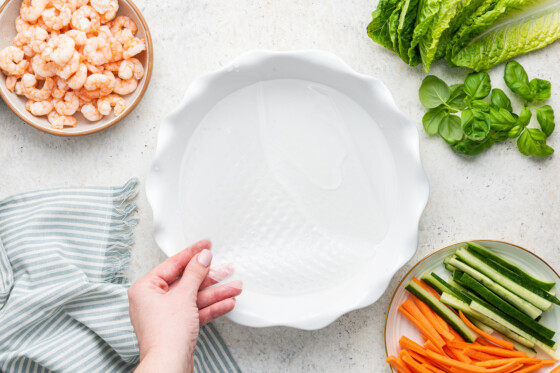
x: 168, y: 305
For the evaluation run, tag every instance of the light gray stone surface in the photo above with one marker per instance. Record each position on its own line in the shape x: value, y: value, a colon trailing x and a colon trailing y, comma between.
x: 500, y: 195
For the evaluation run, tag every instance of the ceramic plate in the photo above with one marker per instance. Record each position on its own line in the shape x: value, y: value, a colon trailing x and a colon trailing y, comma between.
x: 397, y: 325
x: 304, y: 175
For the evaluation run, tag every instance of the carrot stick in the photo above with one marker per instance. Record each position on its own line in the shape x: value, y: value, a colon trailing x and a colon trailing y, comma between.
x: 499, y: 351
x: 425, y: 361
x: 404, y: 342
x: 499, y: 362
x: 556, y: 370
x: 513, y: 366
x: 453, y: 363
x: 530, y: 368
x: 397, y: 364
x: 433, y: 369
x: 500, y: 342
x: 483, y: 342
x: 426, y: 287
x: 411, y: 308
x: 413, y: 363
x: 457, y: 336
x: 429, y: 315
x: 431, y: 346
x: 478, y: 355
x: 461, y: 355
x: 421, y: 327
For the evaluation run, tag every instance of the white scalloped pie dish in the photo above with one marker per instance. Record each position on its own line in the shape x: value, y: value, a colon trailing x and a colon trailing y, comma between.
x: 305, y: 176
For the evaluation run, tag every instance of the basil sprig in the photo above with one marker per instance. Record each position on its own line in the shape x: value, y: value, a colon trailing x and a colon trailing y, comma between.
x: 462, y: 115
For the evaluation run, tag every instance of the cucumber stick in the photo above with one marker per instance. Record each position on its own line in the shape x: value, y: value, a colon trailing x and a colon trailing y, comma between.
x: 547, y: 286
x: 498, y: 277
x: 512, y: 298
x: 505, y: 307
x: 458, y: 304
x: 515, y: 278
x: 439, y: 284
x: 480, y: 325
x: 543, y: 343
x: 449, y: 316
x: 531, y: 353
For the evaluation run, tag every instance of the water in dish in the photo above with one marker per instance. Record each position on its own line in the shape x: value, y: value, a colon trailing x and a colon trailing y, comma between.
x: 291, y: 179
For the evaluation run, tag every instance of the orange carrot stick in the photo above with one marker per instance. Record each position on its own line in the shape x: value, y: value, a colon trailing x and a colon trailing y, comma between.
x: 498, y: 351
x: 461, y: 355
x: 530, y: 368
x: 500, y: 362
x: 500, y: 342
x: 411, y: 308
x: 513, y: 366
x: 478, y: 355
x: 453, y: 363
x: 420, y: 327
x: 483, y: 342
x: 556, y: 370
x: 413, y: 363
x: 431, y: 346
x: 429, y: 315
x: 407, y: 343
x: 397, y: 364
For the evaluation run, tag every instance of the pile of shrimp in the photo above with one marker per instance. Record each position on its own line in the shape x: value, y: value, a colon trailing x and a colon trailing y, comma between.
x: 73, y: 56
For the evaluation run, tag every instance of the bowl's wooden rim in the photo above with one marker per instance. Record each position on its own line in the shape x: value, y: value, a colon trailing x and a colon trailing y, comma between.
x: 148, y: 75
x: 429, y: 255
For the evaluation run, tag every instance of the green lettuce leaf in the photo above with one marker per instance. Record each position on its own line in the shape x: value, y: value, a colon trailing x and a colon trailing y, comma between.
x: 394, y: 21
x: 428, y: 44
x: 427, y: 13
x: 467, y: 9
x: 520, y: 32
x: 378, y: 29
x: 405, y: 30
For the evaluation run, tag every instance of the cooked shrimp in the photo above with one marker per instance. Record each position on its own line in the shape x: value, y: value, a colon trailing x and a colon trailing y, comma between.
x: 12, y: 62
x: 97, y: 51
x: 57, y: 18
x: 60, y: 121
x: 124, y: 87
x: 100, y: 82
x: 31, y: 10
x: 91, y: 113
x: 39, y: 108
x: 86, y: 19
x: 59, y: 49
x: 112, y: 66
x: 31, y: 91
x: 104, y: 6
x: 120, y: 25
x: 131, y: 67
x: 114, y: 44
x: 11, y: 82
x: 31, y: 40
x: 18, y: 89
x: 132, y: 47
x: 94, y: 69
x: 60, y: 88
x: 67, y: 106
x: 21, y: 24
x: 78, y: 36
x: 71, y: 66
x: 104, y: 104
x: 43, y: 68
x: 79, y: 78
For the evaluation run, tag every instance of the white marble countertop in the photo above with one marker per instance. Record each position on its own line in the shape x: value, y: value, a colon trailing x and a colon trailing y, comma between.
x: 498, y: 195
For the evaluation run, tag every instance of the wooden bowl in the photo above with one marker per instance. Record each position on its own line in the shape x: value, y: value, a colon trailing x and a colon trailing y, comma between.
x: 9, y: 11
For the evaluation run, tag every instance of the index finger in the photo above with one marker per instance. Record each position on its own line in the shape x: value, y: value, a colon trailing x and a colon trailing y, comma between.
x: 174, y: 266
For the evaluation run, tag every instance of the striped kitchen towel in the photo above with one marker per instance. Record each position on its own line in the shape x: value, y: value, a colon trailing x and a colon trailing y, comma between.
x: 64, y: 254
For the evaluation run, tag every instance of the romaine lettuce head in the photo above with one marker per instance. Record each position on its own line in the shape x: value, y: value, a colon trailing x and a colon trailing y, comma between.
x: 427, y: 14
x: 428, y: 44
x: 405, y: 30
x: 520, y: 32
x: 378, y: 29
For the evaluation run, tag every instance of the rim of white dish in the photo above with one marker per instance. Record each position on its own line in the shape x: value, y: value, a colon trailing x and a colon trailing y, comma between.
x: 161, y: 200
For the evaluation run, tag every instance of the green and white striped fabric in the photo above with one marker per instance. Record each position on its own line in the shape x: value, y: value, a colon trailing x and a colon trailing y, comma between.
x: 64, y: 254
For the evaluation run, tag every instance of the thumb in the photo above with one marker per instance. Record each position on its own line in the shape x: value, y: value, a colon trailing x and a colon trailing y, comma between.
x: 195, y: 273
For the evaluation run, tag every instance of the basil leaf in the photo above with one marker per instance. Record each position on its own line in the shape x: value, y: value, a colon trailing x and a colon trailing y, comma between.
x: 533, y: 142
x: 457, y: 97
x: 433, y: 92
x: 450, y: 129
x: 476, y: 127
x: 545, y: 116
x: 480, y: 105
x: 470, y: 147
x: 432, y: 119
x: 540, y: 89
x: 500, y: 99
x: 515, y: 131
x: 501, y: 119
x: 517, y: 80
x: 524, y: 117
x: 477, y: 85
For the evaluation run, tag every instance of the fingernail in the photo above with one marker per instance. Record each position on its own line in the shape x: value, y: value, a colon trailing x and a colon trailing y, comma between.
x: 220, y: 273
x: 205, y: 257
x: 235, y: 285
